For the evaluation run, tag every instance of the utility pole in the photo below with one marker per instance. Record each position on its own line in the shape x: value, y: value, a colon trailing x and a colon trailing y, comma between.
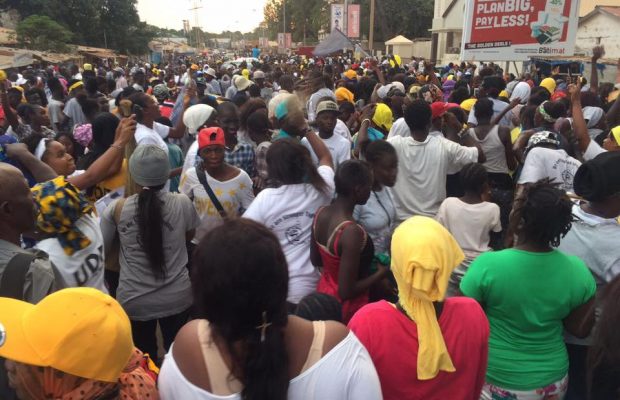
x: 284, y: 18
x: 371, y: 29
x: 194, y: 9
x: 345, y: 18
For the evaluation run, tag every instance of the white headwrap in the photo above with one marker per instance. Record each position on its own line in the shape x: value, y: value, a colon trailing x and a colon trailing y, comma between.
x: 593, y: 115
x: 40, y: 150
x: 522, y: 91
x: 195, y: 116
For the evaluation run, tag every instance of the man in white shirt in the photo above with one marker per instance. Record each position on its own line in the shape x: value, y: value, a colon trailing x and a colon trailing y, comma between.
x: 424, y: 161
x: 326, y: 119
x: 491, y: 87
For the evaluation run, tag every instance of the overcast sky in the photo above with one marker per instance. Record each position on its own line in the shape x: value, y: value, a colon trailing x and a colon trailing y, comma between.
x: 214, y: 16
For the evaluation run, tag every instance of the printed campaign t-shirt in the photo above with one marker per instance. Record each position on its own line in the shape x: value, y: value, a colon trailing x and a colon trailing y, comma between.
x: 235, y: 195
x: 526, y: 296
x: 288, y: 211
x: 85, y: 267
x: 557, y: 165
x: 338, y: 146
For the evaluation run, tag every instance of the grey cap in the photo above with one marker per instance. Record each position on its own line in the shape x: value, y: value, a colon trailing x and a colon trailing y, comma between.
x: 149, y: 166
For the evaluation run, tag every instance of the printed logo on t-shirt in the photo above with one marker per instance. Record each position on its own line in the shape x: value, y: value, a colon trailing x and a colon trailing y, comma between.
x: 91, y: 265
x: 293, y: 233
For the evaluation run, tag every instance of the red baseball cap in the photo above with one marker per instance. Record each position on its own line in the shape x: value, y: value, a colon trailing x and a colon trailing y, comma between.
x: 439, y: 108
x: 213, y: 136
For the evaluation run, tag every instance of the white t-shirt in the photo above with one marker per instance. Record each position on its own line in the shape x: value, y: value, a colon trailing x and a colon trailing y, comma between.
x: 156, y: 136
x: 498, y: 107
x: 235, y: 195
x: 399, y: 128
x: 85, y: 267
x: 339, y: 148
x: 73, y: 110
x: 343, y: 130
x: 191, y: 156
x: 557, y: 165
x: 422, y: 168
x: 288, y: 211
x: 346, y: 372
x: 593, y: 150
x: 54, y: 110
x: 470, y: 224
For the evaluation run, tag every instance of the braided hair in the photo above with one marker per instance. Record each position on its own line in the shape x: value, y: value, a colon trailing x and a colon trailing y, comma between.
x: 544, y: 213
x: 473, y: 177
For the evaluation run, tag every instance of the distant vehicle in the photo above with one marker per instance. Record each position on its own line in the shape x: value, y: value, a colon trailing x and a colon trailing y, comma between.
x: 248, y: 60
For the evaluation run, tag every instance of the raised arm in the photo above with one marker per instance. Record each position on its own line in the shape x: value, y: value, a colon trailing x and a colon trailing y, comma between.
x: 100, y: 169
x: 513, y: 103
x: 319, y: 148
x: 597, y: 53
x: 362, y: 135
x: 580, y: 129
x: 178, y: 131
x: 39, y: 170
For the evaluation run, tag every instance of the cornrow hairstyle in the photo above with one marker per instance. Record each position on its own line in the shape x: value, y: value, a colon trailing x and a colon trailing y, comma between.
x: 544, y: 213
x: 319, y: 307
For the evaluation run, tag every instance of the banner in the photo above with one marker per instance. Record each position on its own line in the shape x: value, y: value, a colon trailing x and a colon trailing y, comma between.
x: 263, y: 42
x: 515, y: 30
x: 285, y: 40
x: 353, y: 21
x: 337, y: 16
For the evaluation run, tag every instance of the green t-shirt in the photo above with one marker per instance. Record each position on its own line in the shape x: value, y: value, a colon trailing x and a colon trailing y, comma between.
x: 526, y: 296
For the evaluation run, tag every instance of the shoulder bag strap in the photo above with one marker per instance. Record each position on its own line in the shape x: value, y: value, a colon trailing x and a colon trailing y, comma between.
x: 118, y: 209
x: 14, y: 276
x: 202, y: 177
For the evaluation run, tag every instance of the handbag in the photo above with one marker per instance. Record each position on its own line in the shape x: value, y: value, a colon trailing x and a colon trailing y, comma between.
x: 202, y: 177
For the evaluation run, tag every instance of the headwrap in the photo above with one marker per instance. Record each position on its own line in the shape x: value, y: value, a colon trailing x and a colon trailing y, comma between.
x: 383, y: 116
x: 246, y: 73
x: 424, y: 254
x: 558, y: 94
x: 448, y: 87
x: 40, y: 150
x: 431, y: 93
x: 542, y: 137
x: 196, y: 115
x: 549, y: 84
x: 83, y: 134
x: 593, y: 115
x: 599, y: 178
x: 135, y: 382
x: 545, y: 114
x: 61, y: 205
x: 344, y: 94
x: 414, y: 91
x: 350, y: 75
x: 522, y: 91
x: 503, y: 93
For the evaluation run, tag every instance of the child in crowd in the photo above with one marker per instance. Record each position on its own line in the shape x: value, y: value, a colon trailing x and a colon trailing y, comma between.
x: 470, y: 219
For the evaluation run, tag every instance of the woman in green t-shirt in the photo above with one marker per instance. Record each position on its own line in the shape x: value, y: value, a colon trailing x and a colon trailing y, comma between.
x: 530, y: 293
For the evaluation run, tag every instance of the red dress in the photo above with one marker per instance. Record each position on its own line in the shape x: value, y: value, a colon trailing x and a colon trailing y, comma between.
x: 328, y: 283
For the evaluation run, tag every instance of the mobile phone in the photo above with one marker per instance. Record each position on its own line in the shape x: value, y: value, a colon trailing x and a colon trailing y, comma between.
x: 138, y: 111
x: 124, y: 107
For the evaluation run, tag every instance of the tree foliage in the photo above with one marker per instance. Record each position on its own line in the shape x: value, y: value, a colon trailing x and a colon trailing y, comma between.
x: 40, y: 32
x: 411, y: 18
x: 113, y: 24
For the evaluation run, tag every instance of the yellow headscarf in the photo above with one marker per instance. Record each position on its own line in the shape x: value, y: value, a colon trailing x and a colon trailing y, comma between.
x: 615, y: 132
x: 344, y: 94
x: 424, y: 254
x: 468, y: 104
x: 246, y: 73
x: 383, y: 116
x: 549, y: 84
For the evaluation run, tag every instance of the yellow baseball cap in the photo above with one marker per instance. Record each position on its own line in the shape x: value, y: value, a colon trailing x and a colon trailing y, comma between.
x: 468, y: 104
x: 615, y: 132
x: 79, y: 331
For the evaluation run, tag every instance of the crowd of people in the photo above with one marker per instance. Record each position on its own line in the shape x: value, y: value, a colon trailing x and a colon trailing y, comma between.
x: 326, y: 228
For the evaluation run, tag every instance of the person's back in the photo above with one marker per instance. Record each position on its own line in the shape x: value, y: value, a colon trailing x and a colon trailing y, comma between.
x: 421, y: 184
x: 555, y: 164
x: 340, y: 368
x: 392, y: 341
x: 493, y: 149
x: 527, y: 295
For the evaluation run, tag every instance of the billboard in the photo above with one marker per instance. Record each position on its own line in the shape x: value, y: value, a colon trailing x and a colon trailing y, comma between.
x: 515, y: 30
x: 337, y: 19
x: 285, y: 40
x: 353, y: 21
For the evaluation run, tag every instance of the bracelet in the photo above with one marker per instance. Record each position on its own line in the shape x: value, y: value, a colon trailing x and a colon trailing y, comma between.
x: 364, y: 120
x: 461, y: 132
x: 116, y: 146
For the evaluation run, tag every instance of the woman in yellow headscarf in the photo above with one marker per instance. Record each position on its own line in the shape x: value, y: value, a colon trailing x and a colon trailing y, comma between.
x: 423, y: 347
